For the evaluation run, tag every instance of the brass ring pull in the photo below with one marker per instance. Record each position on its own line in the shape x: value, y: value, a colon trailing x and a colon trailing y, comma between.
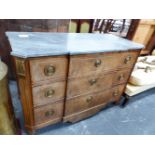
x: 49, y: 70
x: 127, y: 59
x: 98, y: 62
x: 115, y: 93
x: 49, y: 113
x: 121, y: 77
x: 89, y: 99
x: 93, y: 81
x: 49, y: 93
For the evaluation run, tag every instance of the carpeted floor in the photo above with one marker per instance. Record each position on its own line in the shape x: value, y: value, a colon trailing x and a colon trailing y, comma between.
x: 137, y: 118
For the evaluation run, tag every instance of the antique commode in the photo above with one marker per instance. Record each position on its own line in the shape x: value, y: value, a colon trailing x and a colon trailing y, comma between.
x: 68, y: 77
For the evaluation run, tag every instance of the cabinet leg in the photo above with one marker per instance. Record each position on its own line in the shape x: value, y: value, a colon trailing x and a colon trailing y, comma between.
x: 116, y: 102
x: 126, y: 100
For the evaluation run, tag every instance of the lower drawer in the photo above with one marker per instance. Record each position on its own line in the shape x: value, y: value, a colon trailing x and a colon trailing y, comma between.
x: 48, y: 114
x: 84, y: 114
x: 84, y: 102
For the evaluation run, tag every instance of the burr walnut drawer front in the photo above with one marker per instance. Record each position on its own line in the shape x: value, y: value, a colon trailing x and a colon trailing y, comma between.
x: 49, y: 114
x: 84, y: 102
x: 48, y: 93
x: 48, y: 68
x: 99, y: 63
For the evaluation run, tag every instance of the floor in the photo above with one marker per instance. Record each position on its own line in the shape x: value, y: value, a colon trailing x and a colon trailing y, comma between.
x: 137, y: 118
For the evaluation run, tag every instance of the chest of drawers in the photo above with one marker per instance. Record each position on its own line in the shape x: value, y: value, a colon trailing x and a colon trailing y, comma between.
x: 69, y: 77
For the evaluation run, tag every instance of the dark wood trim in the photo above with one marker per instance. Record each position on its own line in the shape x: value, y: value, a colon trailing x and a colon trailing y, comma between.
x: 151, y: 43
x: 91, y: 25
x: 78, y: 26
x: 132, y: 29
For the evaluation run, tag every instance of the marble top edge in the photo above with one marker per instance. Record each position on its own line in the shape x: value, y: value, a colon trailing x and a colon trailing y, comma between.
x: 67, y: 53
x: 37, y: 44
x: 13, y: 53
x: 107, y: 51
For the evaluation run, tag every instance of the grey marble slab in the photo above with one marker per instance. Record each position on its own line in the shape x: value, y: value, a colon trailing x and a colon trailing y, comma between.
x: 35, y: 44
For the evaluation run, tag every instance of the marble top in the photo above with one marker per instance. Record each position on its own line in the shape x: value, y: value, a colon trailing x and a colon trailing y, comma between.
x: 35, y: 44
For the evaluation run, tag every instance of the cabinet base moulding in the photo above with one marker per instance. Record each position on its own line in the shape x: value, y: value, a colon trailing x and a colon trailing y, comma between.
x: 84, y: 114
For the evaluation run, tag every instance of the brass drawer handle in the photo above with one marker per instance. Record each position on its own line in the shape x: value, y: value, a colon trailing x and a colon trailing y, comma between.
x: 93, y: 81
x: 49, y: 93
x: 49, y: 113
x: 89, y: 99
x: 98, y: 62
x: 127, y: 59
x: 49, y: 70
x: 115, y: 93
x: 121, y: 77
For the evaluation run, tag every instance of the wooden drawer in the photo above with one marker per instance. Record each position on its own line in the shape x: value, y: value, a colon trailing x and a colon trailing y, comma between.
x: 48, y: 114
x: 84, y: 65
x: 96, y: 83
x: 116, y: 92
x: 81, y: 103
x: 48, y: 68
x: 48, y: 93
x: 84, y: 102
x: 88, y: 84
x: 121, y: 76
x: 83, y: 114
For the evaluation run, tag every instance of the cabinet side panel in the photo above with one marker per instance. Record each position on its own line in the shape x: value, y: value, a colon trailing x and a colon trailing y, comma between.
x: 24, y: 83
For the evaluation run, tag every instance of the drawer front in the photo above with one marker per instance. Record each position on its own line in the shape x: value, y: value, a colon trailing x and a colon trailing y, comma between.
x: 48, y: 68
x: 48, y: 93
x: 121, y: 76
x: 88, y: 84
x: 95, y: 84
x: 99, y: 63
x: 83, y: 114
x: 81, y: 103
x: 48, y: 113
x: 116, y: 92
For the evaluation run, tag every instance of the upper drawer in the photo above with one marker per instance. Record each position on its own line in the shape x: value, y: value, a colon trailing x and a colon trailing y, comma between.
x: 48, y: 93
x: 48, y: 68
x: 84, y: 65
